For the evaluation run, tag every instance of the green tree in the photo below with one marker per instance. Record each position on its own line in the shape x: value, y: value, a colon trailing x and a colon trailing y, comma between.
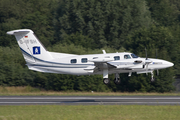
x: 164, y: 12
x: 108, y: 23
x: 158, y: 39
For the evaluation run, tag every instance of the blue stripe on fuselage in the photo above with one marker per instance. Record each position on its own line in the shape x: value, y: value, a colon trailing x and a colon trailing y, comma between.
x: 54, y: 62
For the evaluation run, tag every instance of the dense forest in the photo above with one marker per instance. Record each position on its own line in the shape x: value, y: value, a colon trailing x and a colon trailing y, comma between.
x: 88, y: 26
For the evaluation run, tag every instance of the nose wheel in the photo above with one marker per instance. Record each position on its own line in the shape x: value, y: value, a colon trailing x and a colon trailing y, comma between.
x: 152, y: 79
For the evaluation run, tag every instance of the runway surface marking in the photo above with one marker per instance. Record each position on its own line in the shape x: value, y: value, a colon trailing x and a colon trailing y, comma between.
x: 86, y: 98
x: 90, y: 100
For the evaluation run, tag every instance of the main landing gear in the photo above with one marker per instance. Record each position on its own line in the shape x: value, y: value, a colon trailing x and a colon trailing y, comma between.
x: 106, y: 81
x: 117, y: 80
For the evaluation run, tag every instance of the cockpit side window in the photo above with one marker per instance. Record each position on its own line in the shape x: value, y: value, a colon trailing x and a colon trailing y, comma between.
x: 134, y: 56
x: 127, y: 57
x: 84, y: 60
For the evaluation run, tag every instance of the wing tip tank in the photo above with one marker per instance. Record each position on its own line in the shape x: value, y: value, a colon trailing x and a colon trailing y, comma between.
x: 17, y: 31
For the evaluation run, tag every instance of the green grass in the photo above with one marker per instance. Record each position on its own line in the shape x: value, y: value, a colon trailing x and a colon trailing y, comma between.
x: 84, y: 112
x: 94, y: 112
x: 28, y: 91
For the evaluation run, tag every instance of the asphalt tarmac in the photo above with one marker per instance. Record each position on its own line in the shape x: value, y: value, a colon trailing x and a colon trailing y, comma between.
x: 89, y: 100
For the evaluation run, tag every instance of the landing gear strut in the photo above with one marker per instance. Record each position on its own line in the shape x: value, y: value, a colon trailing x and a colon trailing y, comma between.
x: 106, y: 80
x: 152, y: 77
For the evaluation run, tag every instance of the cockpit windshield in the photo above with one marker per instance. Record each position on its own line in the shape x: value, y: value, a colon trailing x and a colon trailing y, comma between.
x: 134, y: 56
x: 127, y: 56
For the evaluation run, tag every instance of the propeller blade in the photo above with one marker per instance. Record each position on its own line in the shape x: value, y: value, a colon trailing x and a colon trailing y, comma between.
x: 146, y: 53
x: 146, y: 69
x: 147, y: 62
x: 156, y: 54
x: 156, y: 58
x: 157, y: 72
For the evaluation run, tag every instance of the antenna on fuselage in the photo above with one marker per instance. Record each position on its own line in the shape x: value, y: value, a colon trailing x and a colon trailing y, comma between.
x: 104, y: 52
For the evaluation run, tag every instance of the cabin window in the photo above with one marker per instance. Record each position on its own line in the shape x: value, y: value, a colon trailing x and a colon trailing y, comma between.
x: 127, y: 57
x: 84, y: 60
x: 116, y: 58
x: 134, y: 56
x: 95, y: 57
x: 73, y: 61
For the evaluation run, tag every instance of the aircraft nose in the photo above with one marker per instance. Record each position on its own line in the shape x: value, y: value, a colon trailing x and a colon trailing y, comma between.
x: 169, y: 64
x: 161, y: 64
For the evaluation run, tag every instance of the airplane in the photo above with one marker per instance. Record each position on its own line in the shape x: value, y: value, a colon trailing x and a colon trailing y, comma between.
x: 39, y: 59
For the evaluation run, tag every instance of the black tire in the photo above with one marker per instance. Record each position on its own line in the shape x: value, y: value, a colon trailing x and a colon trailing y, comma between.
x: 117, y: 81
x: 106, y: 81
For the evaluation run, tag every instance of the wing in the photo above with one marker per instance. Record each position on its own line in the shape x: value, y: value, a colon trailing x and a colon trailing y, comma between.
x: 100, y: 65
x: 126, y: 64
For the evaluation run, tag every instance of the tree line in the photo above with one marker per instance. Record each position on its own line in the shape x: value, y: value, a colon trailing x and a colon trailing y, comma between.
x: 88, y: 26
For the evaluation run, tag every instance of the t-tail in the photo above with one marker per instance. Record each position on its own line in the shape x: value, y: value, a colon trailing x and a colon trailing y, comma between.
x: 32, y: 49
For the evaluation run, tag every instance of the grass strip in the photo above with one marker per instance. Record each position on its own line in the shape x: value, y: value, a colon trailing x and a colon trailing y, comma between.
x: 89, y: 112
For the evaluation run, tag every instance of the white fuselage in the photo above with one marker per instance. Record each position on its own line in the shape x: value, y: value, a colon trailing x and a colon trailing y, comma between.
x: 74, y: 64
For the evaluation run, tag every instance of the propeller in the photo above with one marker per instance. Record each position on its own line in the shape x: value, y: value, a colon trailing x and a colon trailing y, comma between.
x: 156, y: 58
x: 146, y: 53
x: 147, y: 62
x: 156, y: 54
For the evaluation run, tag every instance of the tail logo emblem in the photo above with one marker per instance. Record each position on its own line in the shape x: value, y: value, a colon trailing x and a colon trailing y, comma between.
x: 36, y: 50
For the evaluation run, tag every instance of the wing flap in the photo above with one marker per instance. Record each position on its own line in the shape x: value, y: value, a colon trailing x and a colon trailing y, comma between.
x: 101, y: 60
x: 126, y: 65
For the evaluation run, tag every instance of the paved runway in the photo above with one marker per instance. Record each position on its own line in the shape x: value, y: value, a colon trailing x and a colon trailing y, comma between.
x: 89, y: 100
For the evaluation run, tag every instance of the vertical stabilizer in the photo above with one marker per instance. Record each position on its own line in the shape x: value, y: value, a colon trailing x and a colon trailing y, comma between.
x: 31, y: 47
